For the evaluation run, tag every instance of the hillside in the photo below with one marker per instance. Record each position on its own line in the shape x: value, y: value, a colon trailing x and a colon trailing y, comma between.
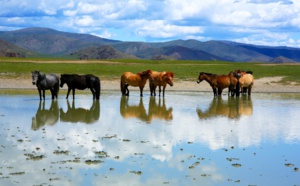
x: 101, y: 52
x: 61, y: 44
x: 49, y: 41
x: 10, y: 50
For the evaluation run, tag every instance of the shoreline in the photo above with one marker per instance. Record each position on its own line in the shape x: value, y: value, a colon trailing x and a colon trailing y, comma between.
x: 262, y: 85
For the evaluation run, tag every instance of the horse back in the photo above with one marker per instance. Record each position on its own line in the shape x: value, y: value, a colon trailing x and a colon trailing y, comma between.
x: 246, y: 80
x: 223, y: 81
x: 131, y: 79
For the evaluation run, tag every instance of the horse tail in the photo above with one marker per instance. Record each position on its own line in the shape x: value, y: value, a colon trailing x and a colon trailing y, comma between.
x: 122, y: 86
x: 97, y: 87
x: 56, y: 87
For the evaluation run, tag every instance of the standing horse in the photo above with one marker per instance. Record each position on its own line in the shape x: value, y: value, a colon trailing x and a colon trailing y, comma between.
x: 45, y: 82
x: 219, y: 82
x: 242, y: 72
x: 246, y: 81
x: 234, y: 87
x: 81, y: 82
x: 135, y: 80
x: 160, y: 79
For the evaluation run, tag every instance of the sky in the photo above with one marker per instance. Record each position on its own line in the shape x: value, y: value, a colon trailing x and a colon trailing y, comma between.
x: 261, y: 22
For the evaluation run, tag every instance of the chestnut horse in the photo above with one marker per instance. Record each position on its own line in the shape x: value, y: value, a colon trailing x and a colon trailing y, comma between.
x: 219, y: 82
x: 135, y: 80
x: 160, y: 79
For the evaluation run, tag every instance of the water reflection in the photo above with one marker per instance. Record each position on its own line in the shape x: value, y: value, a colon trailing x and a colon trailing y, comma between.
x: 75, y: 115
x: 45, y: 116
x: 232, y: 108
x: 133, y: 111
x: 157, y: 109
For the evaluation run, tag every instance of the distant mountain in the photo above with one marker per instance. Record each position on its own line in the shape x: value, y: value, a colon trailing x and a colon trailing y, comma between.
x: 9, y: 50
x: 101, y: 52
x: 61, y: 44
x: 281, y: 59
x: 49, y: 41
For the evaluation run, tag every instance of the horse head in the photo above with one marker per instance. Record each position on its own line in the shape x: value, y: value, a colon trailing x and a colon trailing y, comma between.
x: 62, y: 80
x: 200, y: 77
x: 168, y: 78
x: 35, y: 76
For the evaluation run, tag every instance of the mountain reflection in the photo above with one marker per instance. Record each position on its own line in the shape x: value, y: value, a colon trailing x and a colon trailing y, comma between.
x: 156, y: 110
x: 45, y: 116
x: 75, y: 115
x: 232, y: 108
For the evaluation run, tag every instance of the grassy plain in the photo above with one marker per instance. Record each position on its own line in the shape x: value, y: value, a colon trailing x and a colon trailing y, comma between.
x: 112, y: 69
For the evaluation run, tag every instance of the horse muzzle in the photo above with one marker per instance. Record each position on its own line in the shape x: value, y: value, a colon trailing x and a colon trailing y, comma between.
x: 33, y: 83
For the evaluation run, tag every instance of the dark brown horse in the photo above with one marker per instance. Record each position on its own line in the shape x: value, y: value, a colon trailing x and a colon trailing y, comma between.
x: 217, y: 82
x: 135, y: 80
x: 234, y: 87
x: 160, y: 79
x: 81, y: 82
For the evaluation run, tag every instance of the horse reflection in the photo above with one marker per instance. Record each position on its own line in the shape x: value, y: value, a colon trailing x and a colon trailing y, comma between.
x: 159, y: 110
x: 133, y: 111
x: 81, y: 115
x: 232, y: 108
x: 45, y: 116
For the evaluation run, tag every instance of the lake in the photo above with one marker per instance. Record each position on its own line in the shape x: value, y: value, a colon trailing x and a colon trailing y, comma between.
x: 187, y: 138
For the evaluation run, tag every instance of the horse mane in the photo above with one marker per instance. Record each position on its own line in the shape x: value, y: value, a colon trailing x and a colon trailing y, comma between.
x: 169, y: 74
x: 210, y: 74
x: 145, y: 73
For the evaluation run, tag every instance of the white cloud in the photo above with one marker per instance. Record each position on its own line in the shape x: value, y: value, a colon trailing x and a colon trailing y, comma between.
x: 159, y: 28
x: 85, y: 21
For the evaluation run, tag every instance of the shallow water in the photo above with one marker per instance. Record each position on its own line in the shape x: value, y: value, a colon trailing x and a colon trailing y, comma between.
x: 188, y: 138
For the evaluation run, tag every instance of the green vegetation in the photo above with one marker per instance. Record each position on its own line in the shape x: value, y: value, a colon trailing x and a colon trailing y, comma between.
x: 112, y: 69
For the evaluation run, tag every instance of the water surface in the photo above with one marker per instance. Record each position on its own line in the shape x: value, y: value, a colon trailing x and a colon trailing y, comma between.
x: 188, y: 138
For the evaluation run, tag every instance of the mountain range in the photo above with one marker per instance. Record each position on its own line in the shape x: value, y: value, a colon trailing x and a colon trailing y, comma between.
x: 46, y: 42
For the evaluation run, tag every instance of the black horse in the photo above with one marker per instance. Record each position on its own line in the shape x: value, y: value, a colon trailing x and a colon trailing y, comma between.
x: 45, y: 82
x: 81, y: 82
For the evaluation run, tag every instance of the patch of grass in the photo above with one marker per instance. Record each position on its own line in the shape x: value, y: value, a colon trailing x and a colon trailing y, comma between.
x: 113, y: 69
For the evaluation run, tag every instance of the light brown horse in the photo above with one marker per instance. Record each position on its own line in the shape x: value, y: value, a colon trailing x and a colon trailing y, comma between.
x: 160, y: 79
x: 242, y: 72
x: 135, y: 80
x: 246, y: 81
x: 219, y: 82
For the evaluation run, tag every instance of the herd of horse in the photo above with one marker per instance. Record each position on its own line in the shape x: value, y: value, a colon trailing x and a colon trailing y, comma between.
x: 237, y: 82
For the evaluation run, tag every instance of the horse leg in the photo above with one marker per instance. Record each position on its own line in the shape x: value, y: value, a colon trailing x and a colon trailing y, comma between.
x: 40, y: 94
x: 52, y: 93
x: 93, y: 92
x: 220, y: 91
x: 73, y: 91
x: 69, y: 89
x: 249, y: 90
x: 164, y: 88
x: 159, y: 88
x: 141, y: 90
x: 44, y: 94
x: 215, y: 91
x: 126, y: 90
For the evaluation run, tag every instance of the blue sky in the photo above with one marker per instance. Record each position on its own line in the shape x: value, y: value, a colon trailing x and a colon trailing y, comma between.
x: 262, y: 22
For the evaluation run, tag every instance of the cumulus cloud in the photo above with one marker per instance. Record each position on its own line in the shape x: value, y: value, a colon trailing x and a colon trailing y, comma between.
x: 159, y: 20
